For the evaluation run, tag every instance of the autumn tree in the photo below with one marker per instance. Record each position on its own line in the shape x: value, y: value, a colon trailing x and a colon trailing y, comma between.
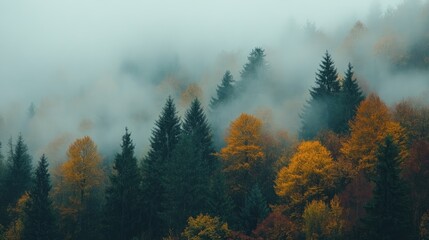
x: 204, y: 227
x: 224, y: 91
x: 369, y: 128
x: 388, y: 215
x: 321, y: 111
x: 350, y: 98
x: 122, y: 208
x: 15, y: 229
x: 17, y: 177
x: 81, y: 181
x: 424, y: 227
x: 414, y: 117
x: 242, y: 156
x: 310, y: 175
x: 276, y: 226
x: 163, y: 141
x: 255, y: 209
x: 39, y: 221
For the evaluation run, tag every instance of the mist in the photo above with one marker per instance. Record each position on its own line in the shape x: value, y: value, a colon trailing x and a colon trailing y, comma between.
x: 96, y: 67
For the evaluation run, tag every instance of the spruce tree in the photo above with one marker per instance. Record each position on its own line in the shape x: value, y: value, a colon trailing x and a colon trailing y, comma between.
x: 220, y: 203
x: 39, y: 221
x: 321, y: 111
x: 122, y: 220
x: 255, y: 209
x: 254, y: 69
x: 17, y: 177
x: 224, y: 91
x: 388, y: 216
x: 163, y: 141
x: 351, y: 97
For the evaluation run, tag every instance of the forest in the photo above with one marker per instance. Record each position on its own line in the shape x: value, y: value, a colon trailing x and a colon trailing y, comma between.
x: 220, y: 166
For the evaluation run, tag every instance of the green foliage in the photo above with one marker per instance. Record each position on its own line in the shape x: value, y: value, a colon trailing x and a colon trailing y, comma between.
x: 122, y: 220
x: 388, y: 215
x: 205, y: 227
x: 224, y: 92
x: 255, y: 209
x: 17, y: 177
x: 321, y: 110
x: 39, y: 221
x: 350, y: 98
x: 255, y: 69
x: 163, y: 141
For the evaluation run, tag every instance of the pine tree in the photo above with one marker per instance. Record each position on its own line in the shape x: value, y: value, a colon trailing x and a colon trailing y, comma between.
x: 224, y: 91
x: 219, y: 202
x: 321, y: 111
x: 351, y: 97
x: 39, y: 221
x: 122, y: 220
x: 388, y: 215
x: 254, y: 210
x: 163, y: 141
x: 17, y: 177
x: 254, y: 69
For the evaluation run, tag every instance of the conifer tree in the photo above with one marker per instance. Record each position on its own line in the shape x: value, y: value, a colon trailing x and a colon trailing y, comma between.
x: 255, y: 209
x: 17, y: 177
x: 224, y: 91
x: 163, y: 141
x: 255, y: 69
x: 351, y: 97
x: 39, y: 221
x: 123, y: 194
x: 321, y: 111
x: 388, y: 215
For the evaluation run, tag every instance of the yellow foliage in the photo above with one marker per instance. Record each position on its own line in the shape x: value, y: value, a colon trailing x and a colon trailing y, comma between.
x: 14, y: 231
x: 369, y: 129
x: 310, y: 175
x: 206, y: 227
x: 243, y: 152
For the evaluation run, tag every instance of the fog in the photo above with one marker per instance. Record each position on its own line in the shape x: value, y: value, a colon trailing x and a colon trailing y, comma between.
x: 95, y: 67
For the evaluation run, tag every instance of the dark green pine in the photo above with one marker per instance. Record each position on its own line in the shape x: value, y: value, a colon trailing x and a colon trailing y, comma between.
x: 351, y: 97
x: 163, y: 141
x: 224, y: 91
x: 321, y: 111
x: 253, y: 71
x: 17, y: 178
x: 388, y: 215
x: 255, y: 209
x: 39, y: 221
x: 123, y: 194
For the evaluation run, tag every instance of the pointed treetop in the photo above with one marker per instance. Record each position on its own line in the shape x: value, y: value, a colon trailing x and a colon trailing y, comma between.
x: 224, y: 91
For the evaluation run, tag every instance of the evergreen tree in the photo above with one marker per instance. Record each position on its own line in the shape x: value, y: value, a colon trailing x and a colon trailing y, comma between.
x: 219, y: 202
x: 17, y: 177
x: 254, y: 210
x: 224, y: 91
x: 388, y: 216
x: 321, y: 111
x: 163, y: 141
x: 39, y: 222
x: 254, y: 69
x: 123, y: 194
x: 2, y: 165
x: 351, y: 97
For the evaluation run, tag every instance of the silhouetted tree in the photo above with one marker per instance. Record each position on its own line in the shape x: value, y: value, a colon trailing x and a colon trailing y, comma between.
x: 123, y: 194
x: 39, y: 221
x: 388, y: 215
x: 224, y: 91
x: 163, y: 141
x: 321, y: 111
x: 255, y: 209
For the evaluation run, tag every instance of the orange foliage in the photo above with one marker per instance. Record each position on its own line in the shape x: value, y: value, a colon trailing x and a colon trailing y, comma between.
x: 310, y: 175
x: 369, y: 128
x: 243, y: 152
x: 276, y: 226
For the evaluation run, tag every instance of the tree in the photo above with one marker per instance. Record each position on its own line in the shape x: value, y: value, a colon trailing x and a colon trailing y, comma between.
x: 310, y: 175
x: 424, y: 227
x: 17, y: 179
x: 81, y: 180
x: 388, y: 215
x: 254, y: 210
x: 163, y: 141
x: 350, y: 98
x: 224, y: 91
x: 123, y: 194
x: 321, y: 111
x: 16, y: 227
x: 369, y: 128
x: 242, y: 156
x: 205, y: 227
x: 255, y: 67
x: 39, y: 221
x: 276, y: 226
